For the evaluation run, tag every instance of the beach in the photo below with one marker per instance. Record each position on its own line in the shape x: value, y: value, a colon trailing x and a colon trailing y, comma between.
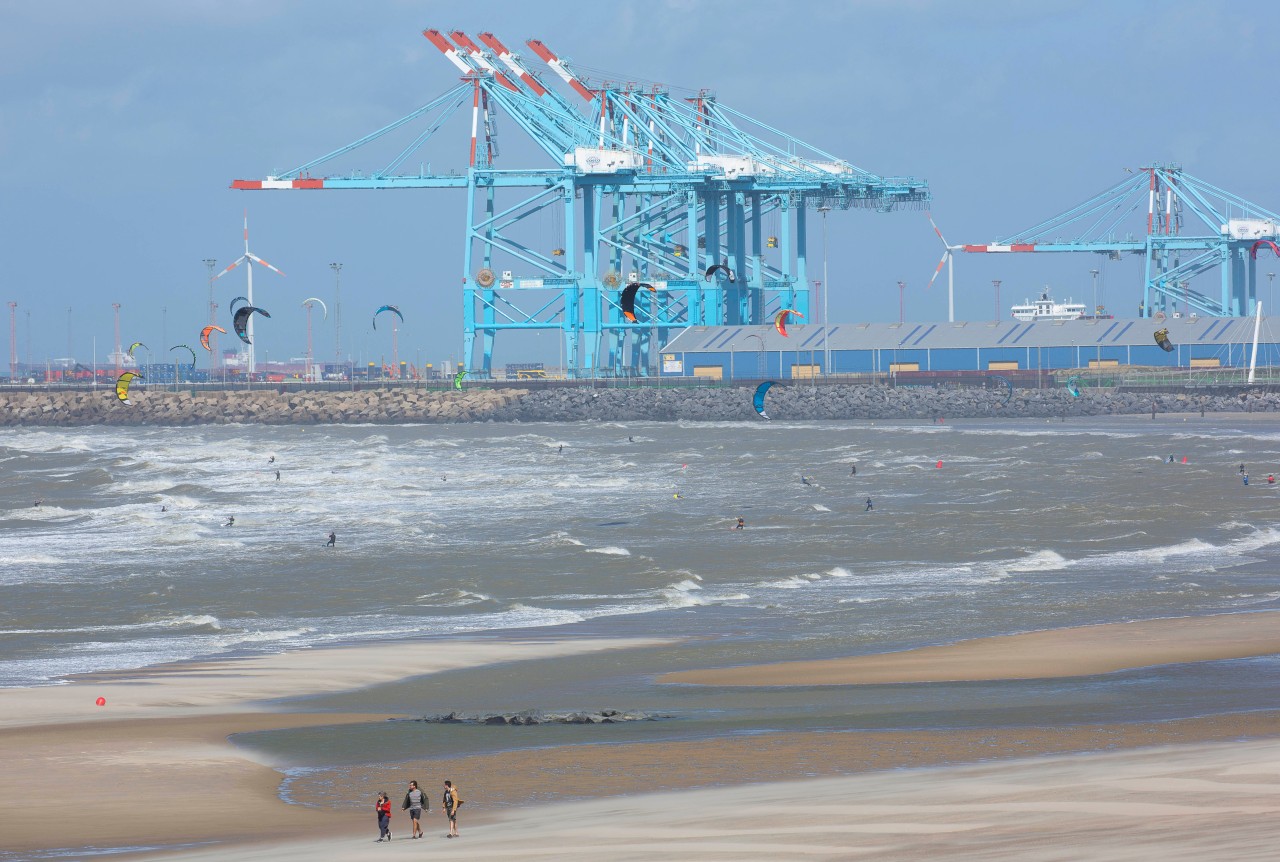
x: 160, y: 771
x: 1035, y: 619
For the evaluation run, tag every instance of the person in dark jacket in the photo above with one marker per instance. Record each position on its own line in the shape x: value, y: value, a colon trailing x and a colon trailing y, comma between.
x: 415, y: 801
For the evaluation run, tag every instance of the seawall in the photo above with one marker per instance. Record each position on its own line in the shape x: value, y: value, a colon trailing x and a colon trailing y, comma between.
x: 582, y: 403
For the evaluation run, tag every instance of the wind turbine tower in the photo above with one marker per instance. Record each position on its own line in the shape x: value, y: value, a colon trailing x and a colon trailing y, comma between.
x: 248, y: 259
x: 948, y: 255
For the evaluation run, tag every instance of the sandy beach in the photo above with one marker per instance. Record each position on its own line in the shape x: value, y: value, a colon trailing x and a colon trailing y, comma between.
x: 158, y: 772
x: 1192, y: 802
x: 1079, y: 651
x: 154, y: 766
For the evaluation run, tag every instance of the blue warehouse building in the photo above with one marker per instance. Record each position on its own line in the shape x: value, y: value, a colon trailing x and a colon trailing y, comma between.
x: 755, y: 352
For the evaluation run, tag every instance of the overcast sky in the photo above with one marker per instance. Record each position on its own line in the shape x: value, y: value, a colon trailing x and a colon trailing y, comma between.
x: 122, y: 124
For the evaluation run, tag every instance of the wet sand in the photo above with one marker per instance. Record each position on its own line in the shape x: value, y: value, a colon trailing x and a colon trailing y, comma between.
x: 1081, y: 651
x: 1188, y: 803
x: 154, y: 765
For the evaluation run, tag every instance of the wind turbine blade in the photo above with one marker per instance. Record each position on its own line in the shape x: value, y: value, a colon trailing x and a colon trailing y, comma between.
x: 938, y: 232
x: 253, y: 257
x: 946, y: 254
x: 233, y: 265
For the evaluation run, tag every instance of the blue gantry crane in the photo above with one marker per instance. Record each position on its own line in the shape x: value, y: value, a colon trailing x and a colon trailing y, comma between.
x: 641, y: 186
x: 1191, y: 227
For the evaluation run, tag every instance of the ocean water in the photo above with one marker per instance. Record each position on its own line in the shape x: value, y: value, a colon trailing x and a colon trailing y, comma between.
x: 491, y: 528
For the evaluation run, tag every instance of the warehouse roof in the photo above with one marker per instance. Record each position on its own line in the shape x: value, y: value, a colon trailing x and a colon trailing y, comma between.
x: 1207, y: 331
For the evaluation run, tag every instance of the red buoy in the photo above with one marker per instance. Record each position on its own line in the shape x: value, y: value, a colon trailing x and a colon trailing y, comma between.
x: 1184, y: 459
x: 102, y: 701
x: 939, y: 464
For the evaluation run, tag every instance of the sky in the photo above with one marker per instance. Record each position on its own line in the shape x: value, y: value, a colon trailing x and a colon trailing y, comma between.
x: 122, y: 125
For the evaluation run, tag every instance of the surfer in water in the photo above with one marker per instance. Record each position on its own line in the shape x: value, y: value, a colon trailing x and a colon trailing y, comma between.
x: 333, y: 540
x: 741, y: 523
x: 231, y: 521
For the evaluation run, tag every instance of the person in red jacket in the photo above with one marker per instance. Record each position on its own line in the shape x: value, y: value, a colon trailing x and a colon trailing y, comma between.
x: 383, y: 807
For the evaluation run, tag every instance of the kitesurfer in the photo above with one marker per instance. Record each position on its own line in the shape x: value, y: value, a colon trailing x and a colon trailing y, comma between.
x: 741, y: 523
x: 164, y: 508
x: 1245, y: 478
x: 1241, y: 468
x: 277, y: 475
x: 869, y: 506
x: 231, y: 521
x: 804, y: 480
x: 333, y: 540
x: 271, y: 460
x: 560, y: 451
x: 1271, y: 478
x: 631, y: 439
x: 38, y: 502
x: 1170, y: 459
x: 853, y: 469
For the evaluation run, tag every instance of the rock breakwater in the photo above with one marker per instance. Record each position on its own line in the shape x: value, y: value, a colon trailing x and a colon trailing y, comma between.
x: 582, y: 403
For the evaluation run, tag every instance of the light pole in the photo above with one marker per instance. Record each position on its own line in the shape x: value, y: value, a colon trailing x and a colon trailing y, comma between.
x: 995, y: 282
x: 209, y: 264
x: 1094, y: 273
x: 902, y: 302
x: 826, y: 351
x: 337, y: 311
x: 1271, y: 291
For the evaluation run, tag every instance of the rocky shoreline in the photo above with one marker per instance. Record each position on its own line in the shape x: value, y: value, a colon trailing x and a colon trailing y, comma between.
x: 583, y: 403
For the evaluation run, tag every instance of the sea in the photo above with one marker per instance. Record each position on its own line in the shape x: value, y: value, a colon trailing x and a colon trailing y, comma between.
x: 115, y: 555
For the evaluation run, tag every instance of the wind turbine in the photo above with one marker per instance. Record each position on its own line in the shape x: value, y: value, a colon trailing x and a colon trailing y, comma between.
x: 249, y: 259
x: 947, y: 254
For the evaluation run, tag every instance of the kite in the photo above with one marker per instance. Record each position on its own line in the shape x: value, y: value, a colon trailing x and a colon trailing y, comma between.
x: 1008, y: 385
x: 122, y: 385
x: 720, y: 266
x: 457, y: 378
x: 1275, y: 249
x: 1162, y: 338
x: 323, y: 307
x: 757, y: 400
x: 629, y: 298
x: 243, y: 299
x: 780, y: 320
x: 204, y: 335
x: 241, y: 321
x: 186, y: 348
x: 390, y: 308
x: 1073, y: 386
x: 134, y: 346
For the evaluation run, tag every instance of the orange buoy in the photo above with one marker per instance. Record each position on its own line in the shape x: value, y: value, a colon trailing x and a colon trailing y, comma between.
x: 102, y: 701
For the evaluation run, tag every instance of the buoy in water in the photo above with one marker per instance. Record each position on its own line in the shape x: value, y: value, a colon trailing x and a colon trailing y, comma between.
x: 1184, y: 459
x: 939, y: 465
x: 102, y: 701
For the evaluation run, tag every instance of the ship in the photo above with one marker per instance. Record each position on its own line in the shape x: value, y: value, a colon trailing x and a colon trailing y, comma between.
x: 1045, y: 308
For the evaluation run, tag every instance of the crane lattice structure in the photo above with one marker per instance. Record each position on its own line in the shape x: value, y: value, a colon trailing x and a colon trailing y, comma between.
x: 644, y: 186
x: 1224, y: 231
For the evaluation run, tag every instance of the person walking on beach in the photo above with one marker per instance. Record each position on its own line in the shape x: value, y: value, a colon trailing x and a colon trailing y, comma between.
x: 333, y: 540
x: 383, y: 809
x: 415, y: 801
x: 452, y: 800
